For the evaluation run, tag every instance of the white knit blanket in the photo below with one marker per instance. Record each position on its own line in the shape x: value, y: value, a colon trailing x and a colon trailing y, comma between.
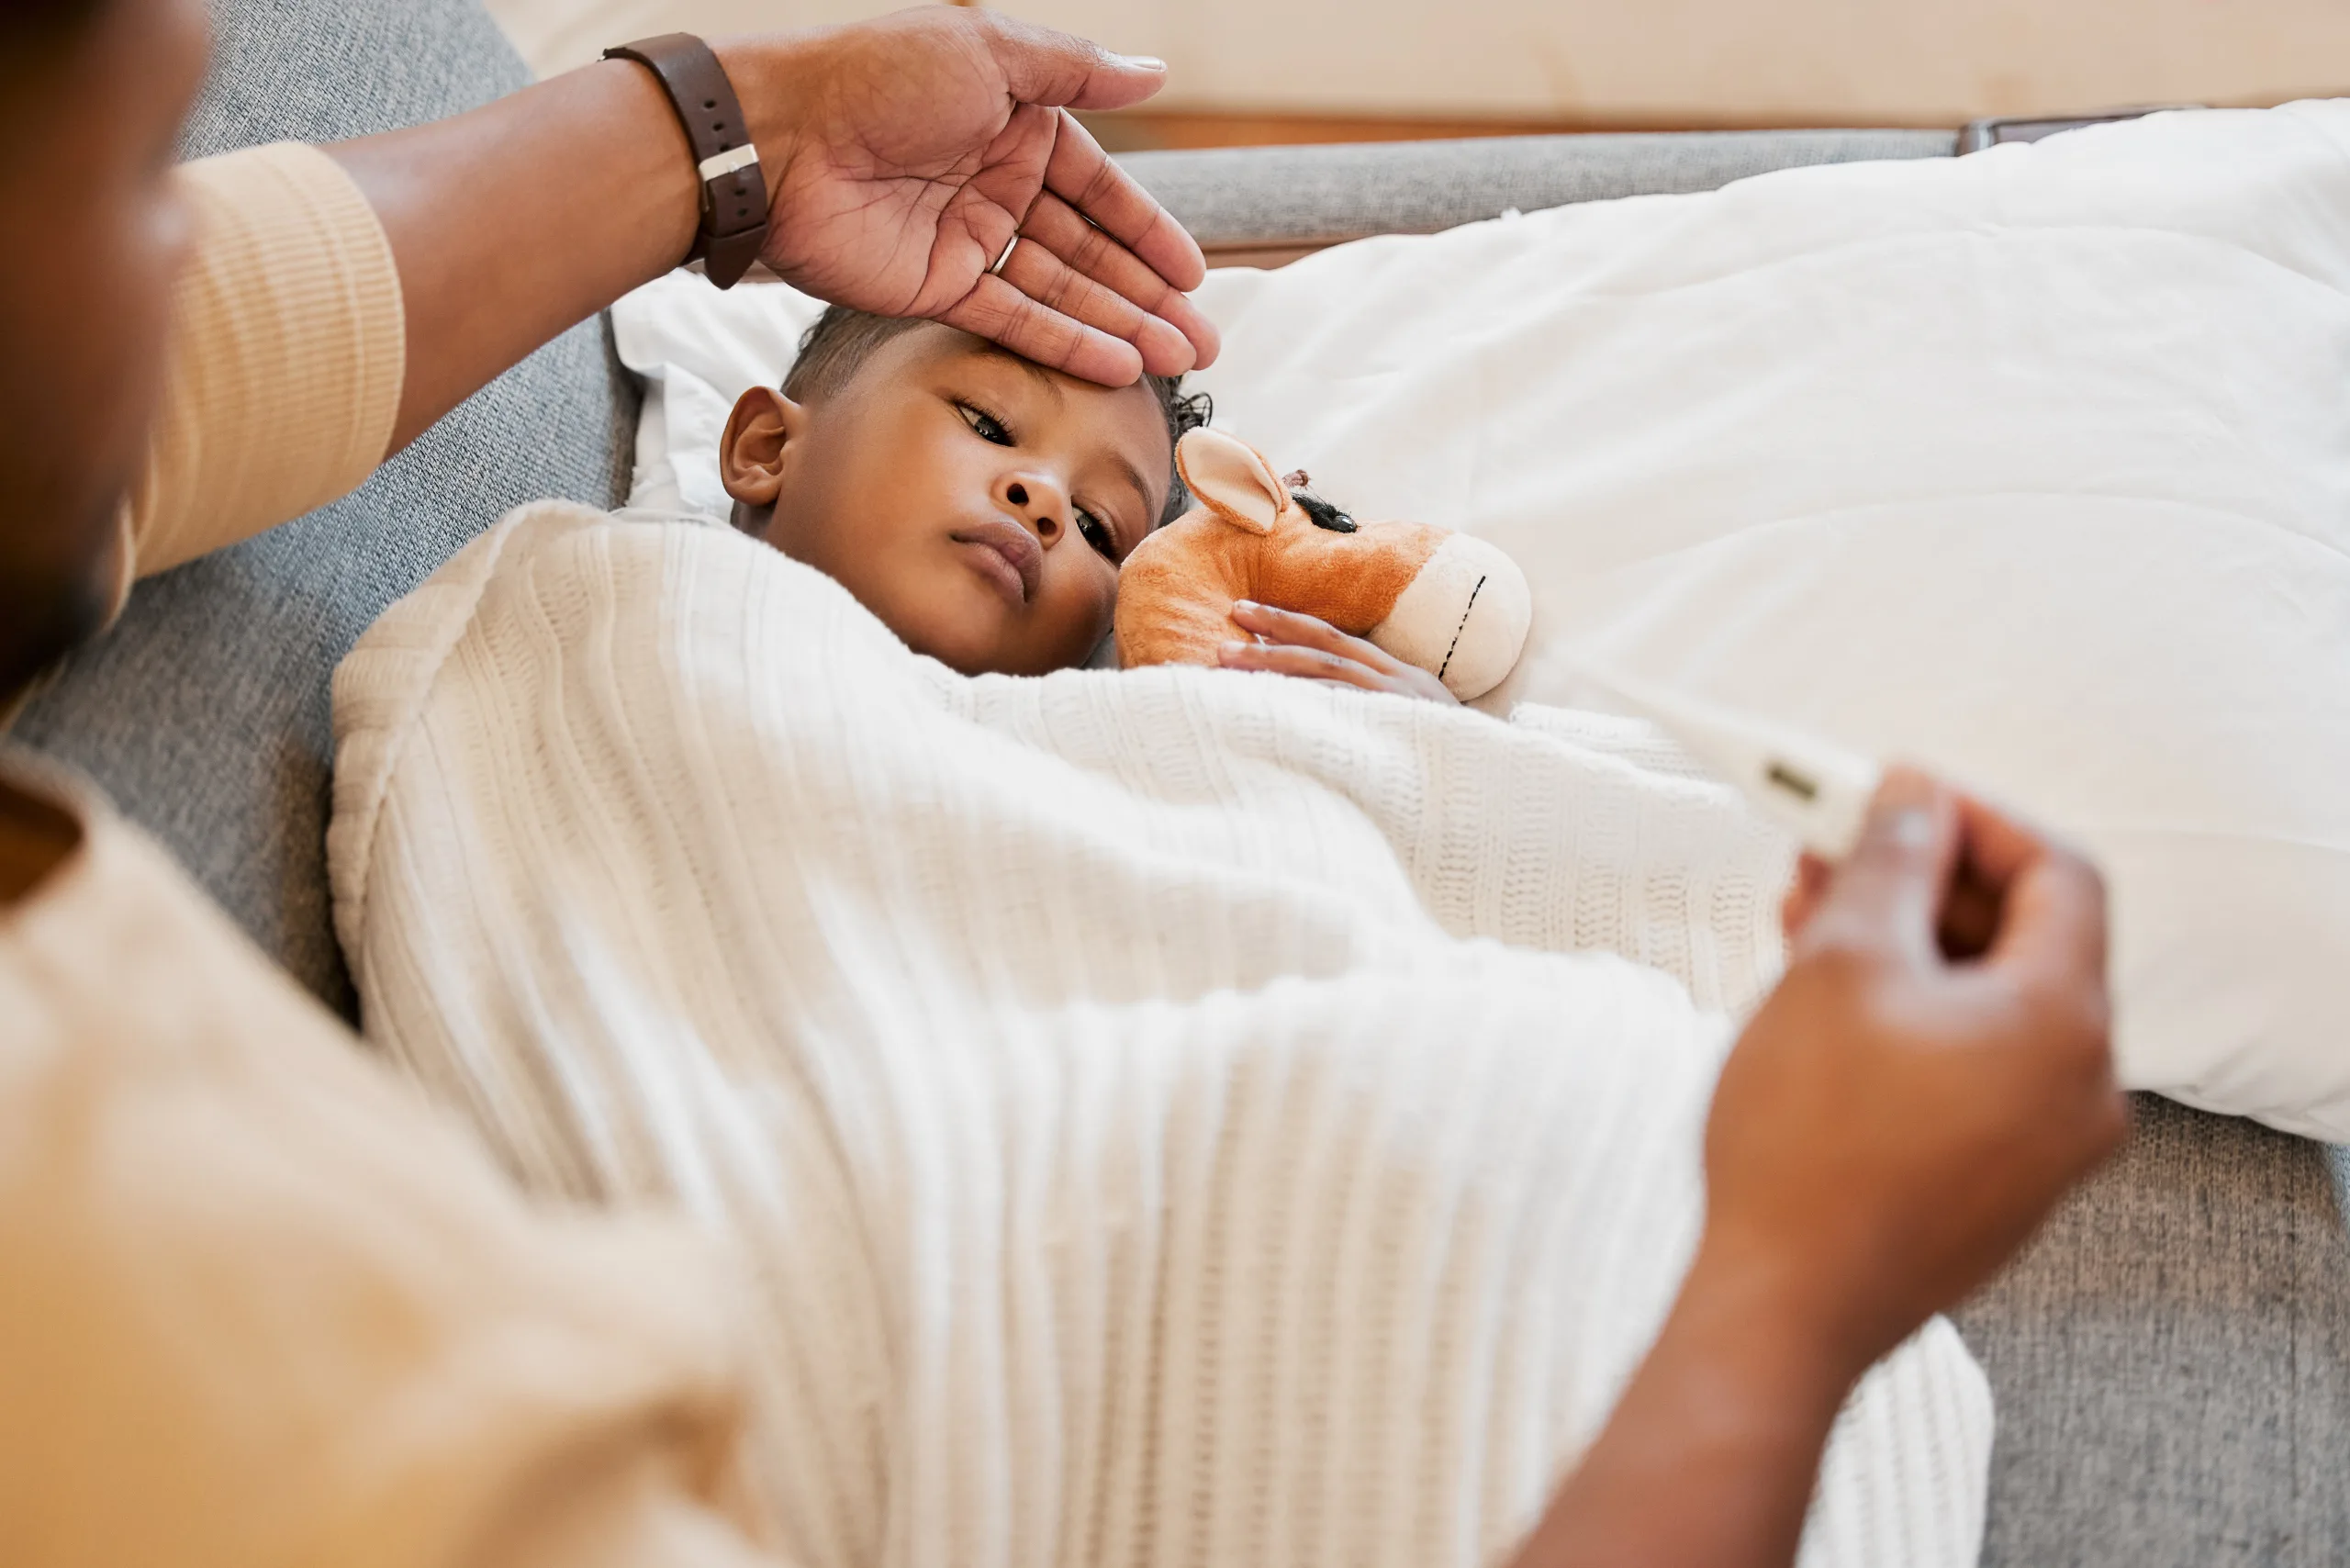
x: 1177, y: 1117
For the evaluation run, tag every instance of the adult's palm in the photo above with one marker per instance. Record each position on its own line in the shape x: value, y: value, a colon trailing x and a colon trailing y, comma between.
x: 903, y: 155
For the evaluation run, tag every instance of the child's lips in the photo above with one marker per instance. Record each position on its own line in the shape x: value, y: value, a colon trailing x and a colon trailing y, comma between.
x: 1007, y: 555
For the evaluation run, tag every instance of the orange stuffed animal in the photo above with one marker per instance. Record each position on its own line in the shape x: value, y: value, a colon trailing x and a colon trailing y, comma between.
x: 1454, y: 606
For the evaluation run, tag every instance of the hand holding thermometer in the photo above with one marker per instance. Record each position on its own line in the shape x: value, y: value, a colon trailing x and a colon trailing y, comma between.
x: 1818, y: 792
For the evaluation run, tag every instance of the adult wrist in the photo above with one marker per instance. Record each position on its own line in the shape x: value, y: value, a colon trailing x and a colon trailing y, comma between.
x: 731, y: 185
x: 772, y: 73
x: 1789, y: 1315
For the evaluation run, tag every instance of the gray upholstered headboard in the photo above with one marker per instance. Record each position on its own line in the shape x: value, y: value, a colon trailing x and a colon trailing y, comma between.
x: 1241, y: 203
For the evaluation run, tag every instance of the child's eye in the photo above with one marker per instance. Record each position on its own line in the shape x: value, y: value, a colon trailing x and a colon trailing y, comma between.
x: 1097, y: 533
x: 987, y: 425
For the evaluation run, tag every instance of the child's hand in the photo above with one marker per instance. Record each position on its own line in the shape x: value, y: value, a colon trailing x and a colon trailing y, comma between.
x: 1290, y: 644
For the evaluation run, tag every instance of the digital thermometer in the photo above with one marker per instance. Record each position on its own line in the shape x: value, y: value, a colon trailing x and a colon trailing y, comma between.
x: 1818, y: 791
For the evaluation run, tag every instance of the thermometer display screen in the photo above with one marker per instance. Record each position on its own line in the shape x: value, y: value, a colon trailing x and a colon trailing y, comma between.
x: 1802, y: 786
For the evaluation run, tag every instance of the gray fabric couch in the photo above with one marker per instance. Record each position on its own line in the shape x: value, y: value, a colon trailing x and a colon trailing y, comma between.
x: 2172, y: 1357
x: 1280, y: 196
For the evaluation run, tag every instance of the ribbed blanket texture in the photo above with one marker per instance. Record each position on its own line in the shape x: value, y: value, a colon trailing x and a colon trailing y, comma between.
x: 1175, y: 1117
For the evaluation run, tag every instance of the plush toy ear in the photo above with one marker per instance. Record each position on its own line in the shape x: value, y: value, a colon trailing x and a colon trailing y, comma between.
x: 1231, y: 479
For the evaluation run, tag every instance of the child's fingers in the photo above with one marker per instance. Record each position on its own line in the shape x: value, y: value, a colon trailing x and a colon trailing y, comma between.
x: 1287, y: 626
x: 1310, y: 664
x: 1371, y: 667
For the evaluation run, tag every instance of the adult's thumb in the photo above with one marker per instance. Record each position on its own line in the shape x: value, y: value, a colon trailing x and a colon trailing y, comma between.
x: 1062, y: 71
x: 1889, y: 890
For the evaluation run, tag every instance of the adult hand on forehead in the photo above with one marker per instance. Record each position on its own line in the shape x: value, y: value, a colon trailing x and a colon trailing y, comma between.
x: 903, y: 155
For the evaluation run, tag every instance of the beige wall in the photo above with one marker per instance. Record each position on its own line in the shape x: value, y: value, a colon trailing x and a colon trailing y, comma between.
x: 1692, y: 62
x: 555, y: 34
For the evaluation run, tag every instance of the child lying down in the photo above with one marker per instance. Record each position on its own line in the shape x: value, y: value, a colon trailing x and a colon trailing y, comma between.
x: 1135, y: 1095
x: 980, y: 505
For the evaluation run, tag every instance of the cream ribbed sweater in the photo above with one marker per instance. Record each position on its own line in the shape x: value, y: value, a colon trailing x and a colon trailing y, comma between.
x: 1178, y: 1118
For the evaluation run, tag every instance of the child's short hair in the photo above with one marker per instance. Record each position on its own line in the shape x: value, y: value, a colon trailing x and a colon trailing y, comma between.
x: 842, y: 339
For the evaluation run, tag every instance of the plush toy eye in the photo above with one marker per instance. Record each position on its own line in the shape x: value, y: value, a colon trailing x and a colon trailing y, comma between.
x: 1323, y: 513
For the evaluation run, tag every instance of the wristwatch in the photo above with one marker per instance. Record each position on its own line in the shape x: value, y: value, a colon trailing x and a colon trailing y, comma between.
x: 733, y: 190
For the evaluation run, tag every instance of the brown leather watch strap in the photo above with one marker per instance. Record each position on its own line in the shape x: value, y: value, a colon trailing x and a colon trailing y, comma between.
x: 733, y: 190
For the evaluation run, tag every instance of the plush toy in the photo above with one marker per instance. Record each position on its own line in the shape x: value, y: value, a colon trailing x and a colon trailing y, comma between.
x: 1454, y: 606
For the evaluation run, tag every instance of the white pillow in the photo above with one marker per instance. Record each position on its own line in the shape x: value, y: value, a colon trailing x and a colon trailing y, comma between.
x: 2032, y: 466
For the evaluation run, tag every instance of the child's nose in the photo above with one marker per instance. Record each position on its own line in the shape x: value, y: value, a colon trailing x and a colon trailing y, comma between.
x: 1038, y: 501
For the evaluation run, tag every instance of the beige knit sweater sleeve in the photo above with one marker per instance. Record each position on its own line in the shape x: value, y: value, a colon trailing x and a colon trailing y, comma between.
x: 263, y: 1306
x: 286, y: 357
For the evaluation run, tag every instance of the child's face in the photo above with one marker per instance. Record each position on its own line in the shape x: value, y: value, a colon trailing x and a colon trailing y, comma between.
x: 977, y: 503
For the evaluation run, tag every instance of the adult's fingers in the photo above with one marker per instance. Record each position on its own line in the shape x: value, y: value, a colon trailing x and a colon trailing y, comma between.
x: 2049, y: 900
x: 1041, y: 65
x: 1057, y: 227
x: 1001, y: 313
x: 1999, y: 847
x: 1887, y: 894
x: 1042, y: 276
x: 2052, y: 924
x: 1081, y: 173
x: 1972, y: 910
x: 1805, y: 890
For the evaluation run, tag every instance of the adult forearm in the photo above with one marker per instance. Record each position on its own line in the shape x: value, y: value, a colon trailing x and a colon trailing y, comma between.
x: 1712, y: 1453
x: 1892, y: 1124
x: 512, y: 222
x: 901, y: 156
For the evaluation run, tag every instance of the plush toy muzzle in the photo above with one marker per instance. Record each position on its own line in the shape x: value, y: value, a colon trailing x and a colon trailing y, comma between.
x: 1454, y: 606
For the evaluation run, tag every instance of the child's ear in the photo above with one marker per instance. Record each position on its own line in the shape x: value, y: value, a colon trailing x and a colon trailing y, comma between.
x: 756, y: 450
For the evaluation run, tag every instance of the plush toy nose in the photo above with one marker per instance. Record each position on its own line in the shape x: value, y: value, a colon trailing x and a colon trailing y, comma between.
x: 1035, y: 499
x: 1464, y: 618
